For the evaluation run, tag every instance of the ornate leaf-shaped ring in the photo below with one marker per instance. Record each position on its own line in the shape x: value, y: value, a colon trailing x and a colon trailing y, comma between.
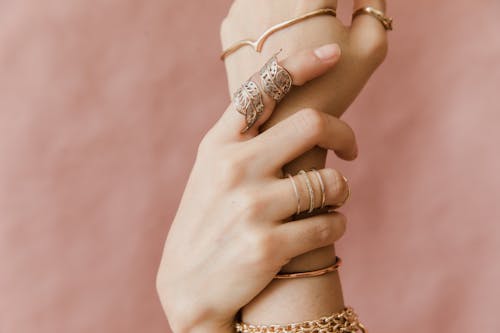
x: 248, y: 101
x: 276, y: 81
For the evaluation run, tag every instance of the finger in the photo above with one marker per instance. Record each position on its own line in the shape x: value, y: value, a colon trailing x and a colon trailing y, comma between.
x: 367, y: 34
x: 302, y: 236
x: 303, y: 67
x: 287, y: 199
x: 299, y: 133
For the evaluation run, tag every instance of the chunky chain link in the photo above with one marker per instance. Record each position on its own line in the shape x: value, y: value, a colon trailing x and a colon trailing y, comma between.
x: 343, y: 322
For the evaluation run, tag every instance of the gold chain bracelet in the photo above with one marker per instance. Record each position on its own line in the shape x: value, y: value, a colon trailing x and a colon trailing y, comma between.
x: 343, y: 322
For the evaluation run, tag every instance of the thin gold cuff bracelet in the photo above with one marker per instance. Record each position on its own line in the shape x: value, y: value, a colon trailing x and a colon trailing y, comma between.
x: 259, y: 43
x: 318, y: 272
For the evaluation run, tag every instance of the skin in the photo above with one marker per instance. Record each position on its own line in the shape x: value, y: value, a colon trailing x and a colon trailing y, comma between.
x: 226, y: 242
x: 364, y: 47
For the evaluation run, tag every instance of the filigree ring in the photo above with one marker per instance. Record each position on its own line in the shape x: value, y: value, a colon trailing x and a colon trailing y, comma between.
x: 248, y: 101
x: 276, y: 80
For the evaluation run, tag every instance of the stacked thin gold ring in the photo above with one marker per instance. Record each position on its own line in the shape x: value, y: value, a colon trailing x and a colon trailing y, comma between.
x: 322, y: 187
x: 296, y: 191
x: 310, y: 190
x: 348, y: 195
x: 311, y: 193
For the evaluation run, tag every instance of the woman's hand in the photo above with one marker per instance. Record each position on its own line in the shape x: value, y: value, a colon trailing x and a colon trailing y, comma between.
x: 363, y: 44
x: 364, y: 47
x: 229, y: 237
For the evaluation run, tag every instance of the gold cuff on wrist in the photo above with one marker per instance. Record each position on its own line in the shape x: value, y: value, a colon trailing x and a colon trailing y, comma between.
x: 314, y: 273
x: 259, y: 43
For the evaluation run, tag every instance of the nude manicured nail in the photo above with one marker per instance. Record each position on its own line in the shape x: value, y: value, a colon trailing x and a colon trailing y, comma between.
x: 328, y: 52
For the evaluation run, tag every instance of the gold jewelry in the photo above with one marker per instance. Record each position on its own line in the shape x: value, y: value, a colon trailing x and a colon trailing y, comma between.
x: 309, y: 189
x: 318, y: 272
x: 248, y: 101
x: 322, y: 187
x: 296, y: 190
x: 259, y: 43
x: 345, y: 321
x: 337, y: 206
x: 378, y: 14
x: 276, y: 80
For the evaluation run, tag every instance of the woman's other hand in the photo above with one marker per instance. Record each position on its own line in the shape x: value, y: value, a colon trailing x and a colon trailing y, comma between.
x: 230, y: 235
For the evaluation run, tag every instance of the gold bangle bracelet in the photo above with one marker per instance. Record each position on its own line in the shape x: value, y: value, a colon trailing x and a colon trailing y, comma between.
x: 315, y: 273
x: 259, y: 43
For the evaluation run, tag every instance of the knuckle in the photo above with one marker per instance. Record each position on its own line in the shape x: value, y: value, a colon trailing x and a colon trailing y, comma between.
x: 324, y: 231
x: 374, y: 48
x: 262, y: 248
x: 251, y: 204
x: 229, y: 173
x: 349, y: 141
x: 350, y: 135
x: 339, y: 226
x: 232, y: 166
x: 310, y: 123
x: 331, y: 229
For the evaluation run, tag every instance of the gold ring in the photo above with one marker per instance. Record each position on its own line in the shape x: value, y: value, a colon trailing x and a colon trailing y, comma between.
x: 337, y: 206
x: 309, y: 189
x: 321, y: 186
x: 296, y: 190
x: 248, y: 101
x: 378, y: 14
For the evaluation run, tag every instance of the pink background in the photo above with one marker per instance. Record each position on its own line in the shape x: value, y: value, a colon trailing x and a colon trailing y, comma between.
x: 101, y: 108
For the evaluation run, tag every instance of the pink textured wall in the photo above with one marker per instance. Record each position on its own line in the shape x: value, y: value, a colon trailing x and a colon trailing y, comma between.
x: 101, y: 108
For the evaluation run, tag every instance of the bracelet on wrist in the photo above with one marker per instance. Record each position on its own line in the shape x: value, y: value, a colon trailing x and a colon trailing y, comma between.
x: 314, y: 273
x: 345, y: 321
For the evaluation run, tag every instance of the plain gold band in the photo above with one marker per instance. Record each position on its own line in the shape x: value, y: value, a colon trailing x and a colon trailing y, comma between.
x: 340, y: 204
x: 296, y: 190
x: 378, y: 14
x: 321, y: 186
x: 310, y: 190
x: 259, y: 43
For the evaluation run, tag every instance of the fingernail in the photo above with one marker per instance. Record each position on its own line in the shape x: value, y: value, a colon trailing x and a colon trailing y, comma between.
x: 328, y: 52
